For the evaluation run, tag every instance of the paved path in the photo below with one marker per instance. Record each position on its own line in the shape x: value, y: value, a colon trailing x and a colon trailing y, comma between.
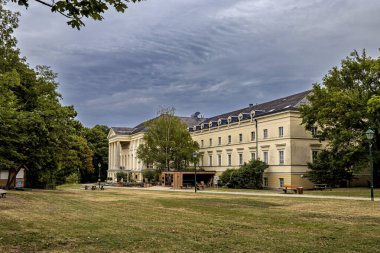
x: 167, y: 189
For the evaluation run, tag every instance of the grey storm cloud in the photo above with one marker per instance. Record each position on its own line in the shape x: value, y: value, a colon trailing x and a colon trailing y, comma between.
x: 210, y: 56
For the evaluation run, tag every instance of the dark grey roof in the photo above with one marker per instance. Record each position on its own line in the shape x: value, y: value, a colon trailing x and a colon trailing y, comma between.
x: 286, y: 103
x: 122, y: 130
x: 282, y: 104
x: 189, y: 121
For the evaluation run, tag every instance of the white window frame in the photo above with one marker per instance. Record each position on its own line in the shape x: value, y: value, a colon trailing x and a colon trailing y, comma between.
x: 241, y: 159
x: 281, y: 131
x: 281, y: 157
x: 253, y: 136
x: 265, y: 133
x: 219, y: 141
x: 266, y: 157
x: 229, y: 159
x: 220, y: 159
x: 253, y: 156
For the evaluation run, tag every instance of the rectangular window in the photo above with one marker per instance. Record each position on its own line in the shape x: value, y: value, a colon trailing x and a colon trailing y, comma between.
x: 314, y: 155
x: 265, y: 133
x: 210, y: 160
x: 219, y: 140
x: 282, y: 182
x: 265, y: 181
x: 281, y: 157
x: 253, y: 136
x: 314, y: 131
x: 229, y: 139
x: 266, y: 157
x: 241, y: 159
x: 229, y: 159
x: 202, y: 143
x: 240, y: 138
x: 253, y: 156
x: 219, y: 159
x: 280, y: 132
x: 210, y: 142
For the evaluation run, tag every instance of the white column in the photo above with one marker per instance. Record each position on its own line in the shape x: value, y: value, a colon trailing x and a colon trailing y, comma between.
x: 109, y: 157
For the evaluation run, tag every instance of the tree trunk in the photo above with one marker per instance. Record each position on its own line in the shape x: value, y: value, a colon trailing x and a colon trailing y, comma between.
x: 12, y: 173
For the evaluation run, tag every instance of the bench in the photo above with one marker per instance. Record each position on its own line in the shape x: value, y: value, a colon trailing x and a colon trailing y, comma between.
x: 2, y: 193
x: 290, y: 188
x: 321, y: 187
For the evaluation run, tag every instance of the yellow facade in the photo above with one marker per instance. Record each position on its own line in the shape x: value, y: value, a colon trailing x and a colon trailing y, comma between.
x: 286, y: 147
x: 271, y: 132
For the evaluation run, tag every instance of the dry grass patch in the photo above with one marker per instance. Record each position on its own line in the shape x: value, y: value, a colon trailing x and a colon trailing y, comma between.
x: 121, y: 220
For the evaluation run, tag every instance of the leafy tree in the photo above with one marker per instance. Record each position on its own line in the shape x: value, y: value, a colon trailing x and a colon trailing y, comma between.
x: 343, y: 108
x: 329, y: 168
x: 74, y: 11
x: 167, y: 143
x: 249, y: 176
x: 98, y: 143
x: 150, y: 174
x: 37, y: 132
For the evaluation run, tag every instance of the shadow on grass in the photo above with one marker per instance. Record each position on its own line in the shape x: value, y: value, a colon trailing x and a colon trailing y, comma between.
x: 236, y: 203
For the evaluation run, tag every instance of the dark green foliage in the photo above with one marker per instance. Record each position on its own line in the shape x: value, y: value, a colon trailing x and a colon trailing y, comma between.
x: 328, y: 168
x: 343, y: 108
x: 248, y: 176
x: 36, y: 131
x: 151, y: 175
x: 98, y: 143
x: 74, y: 11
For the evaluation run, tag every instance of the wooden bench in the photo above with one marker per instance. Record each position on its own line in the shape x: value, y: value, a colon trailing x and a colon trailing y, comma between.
x: 290, y: 188
x: 3, y: 193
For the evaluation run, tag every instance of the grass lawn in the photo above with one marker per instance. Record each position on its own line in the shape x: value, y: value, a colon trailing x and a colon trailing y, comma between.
x: 348, y: 192
x: 125, y: 220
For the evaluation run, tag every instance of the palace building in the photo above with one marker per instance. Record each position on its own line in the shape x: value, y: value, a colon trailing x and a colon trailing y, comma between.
x: 271, y: 132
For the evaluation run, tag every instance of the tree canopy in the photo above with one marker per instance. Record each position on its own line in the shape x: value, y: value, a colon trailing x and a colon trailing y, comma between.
x: 75, y: 11
x: 343, y: 108
x: 36, y: 131
x: 167, y: 143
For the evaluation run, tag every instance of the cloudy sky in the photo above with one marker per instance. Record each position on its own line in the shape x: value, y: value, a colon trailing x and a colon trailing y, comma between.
x: 211, y: 56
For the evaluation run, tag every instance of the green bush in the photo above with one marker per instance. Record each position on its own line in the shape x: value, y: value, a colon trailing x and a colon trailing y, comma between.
x: 72, y: 178
x: 249, y: 176
x: 150, y: 175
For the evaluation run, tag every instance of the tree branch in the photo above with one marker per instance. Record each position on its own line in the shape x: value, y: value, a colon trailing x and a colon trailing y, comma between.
x: 51, y: 6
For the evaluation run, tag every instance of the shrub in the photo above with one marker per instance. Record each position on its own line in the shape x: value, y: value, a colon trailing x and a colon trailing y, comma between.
x: 150, y: 174
x: 249, y: 176
x: 72, y: 178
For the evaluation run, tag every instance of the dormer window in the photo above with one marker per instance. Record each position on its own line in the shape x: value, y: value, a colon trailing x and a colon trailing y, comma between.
x: 252, y: 114
x: 240, y: 117
x: 229, y: 119
x: 219, y: 122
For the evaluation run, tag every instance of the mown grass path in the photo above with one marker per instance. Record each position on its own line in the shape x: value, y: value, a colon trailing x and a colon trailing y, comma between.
x: 119, y: 220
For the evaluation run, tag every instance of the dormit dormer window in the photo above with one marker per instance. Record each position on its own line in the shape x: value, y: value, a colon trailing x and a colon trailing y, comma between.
x: 252, y: 114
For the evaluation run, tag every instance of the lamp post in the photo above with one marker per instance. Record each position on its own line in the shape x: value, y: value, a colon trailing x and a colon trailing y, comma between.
x: 99, y: 166
x: 195, y: 156
x: 370, y: 133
